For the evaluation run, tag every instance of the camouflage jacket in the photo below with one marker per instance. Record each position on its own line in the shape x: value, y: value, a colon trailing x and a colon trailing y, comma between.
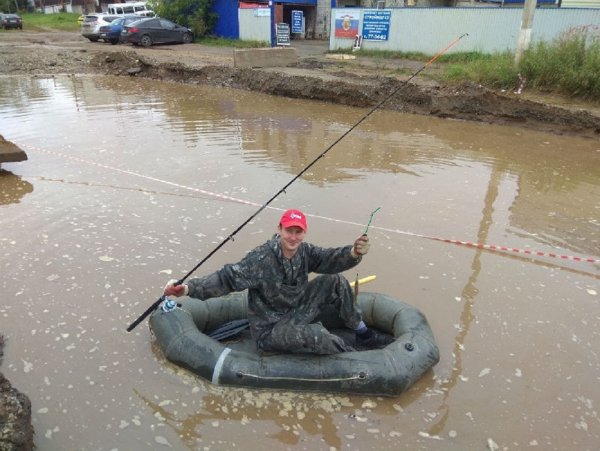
x: 275, y: 284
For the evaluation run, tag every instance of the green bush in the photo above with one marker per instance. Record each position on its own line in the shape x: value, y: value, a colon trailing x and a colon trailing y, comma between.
x: 194, y: 14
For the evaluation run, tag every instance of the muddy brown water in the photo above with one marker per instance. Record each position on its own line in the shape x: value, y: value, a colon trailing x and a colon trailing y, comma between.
x: 131, y: 182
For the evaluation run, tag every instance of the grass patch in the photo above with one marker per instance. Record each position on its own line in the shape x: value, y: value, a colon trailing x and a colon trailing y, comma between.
x: 570, y: 65
x: 389, y: 54
x: 59, y: 21
x: 496, y: 71
x: 235, y: 43
x: 463, y: 57
x: 382, y: 54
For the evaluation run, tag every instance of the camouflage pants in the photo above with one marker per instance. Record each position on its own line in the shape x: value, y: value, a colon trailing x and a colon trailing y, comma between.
x: 297, y: 332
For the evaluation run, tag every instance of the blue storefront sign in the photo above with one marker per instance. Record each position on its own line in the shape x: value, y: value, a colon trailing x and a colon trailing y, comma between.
x: 297, y: 17
x: 376, y: 24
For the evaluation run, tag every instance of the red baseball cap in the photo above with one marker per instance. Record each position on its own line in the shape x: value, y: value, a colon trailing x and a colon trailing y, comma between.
x: 293, y: 218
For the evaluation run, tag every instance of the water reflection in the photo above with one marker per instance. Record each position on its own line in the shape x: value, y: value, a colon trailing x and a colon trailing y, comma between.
x: 299, y: 133
x: 292, y: 417
x: 13, y: 188
x: 314, y: 417
x: 468, y: 297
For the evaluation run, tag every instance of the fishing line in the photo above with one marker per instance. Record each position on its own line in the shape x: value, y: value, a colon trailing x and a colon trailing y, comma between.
x: 490, y: 247
x: 311, y: 164
x: 117, y: 187
x: 147, y: 177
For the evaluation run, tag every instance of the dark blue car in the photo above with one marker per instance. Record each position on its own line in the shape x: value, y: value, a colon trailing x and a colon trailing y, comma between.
x: 112, y: 32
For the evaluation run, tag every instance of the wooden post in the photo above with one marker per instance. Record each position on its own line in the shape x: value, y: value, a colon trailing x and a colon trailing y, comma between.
x: 526, y: 29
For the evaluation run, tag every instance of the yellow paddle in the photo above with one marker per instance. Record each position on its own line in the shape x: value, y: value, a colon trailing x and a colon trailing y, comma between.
x: 363, y: 280
x: 357, y: 282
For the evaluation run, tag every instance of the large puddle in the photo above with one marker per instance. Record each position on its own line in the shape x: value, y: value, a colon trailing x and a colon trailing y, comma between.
x: 131, y: 182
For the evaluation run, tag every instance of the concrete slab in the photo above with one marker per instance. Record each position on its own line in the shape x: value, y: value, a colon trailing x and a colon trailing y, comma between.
x: 340, y: 56
x: 265, y: 57
x: 9, y: 152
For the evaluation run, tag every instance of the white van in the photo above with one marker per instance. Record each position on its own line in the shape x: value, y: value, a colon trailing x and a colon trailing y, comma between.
x: 137, y: 8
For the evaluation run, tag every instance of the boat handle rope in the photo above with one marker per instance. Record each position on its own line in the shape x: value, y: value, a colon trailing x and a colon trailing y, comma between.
x: 150, y: 309
x: 362, y: 375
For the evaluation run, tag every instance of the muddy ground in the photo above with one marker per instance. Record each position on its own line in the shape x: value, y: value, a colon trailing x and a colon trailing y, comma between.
x: 362, y: 82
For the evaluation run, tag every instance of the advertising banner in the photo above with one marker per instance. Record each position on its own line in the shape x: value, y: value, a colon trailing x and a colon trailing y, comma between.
x: 346, y: 24
x: 297, y: 19
x: 376, y: 24
x: 282, y: 33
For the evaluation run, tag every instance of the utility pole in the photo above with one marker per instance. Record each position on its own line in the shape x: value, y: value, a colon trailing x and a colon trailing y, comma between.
x: 526, y: 29
x: 272, y: 23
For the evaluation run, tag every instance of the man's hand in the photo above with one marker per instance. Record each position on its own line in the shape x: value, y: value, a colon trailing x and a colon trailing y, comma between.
x: 175, y: 290
x: 361, y: 246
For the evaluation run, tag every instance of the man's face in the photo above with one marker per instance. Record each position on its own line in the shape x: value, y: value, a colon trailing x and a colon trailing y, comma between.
x: 291, y: 238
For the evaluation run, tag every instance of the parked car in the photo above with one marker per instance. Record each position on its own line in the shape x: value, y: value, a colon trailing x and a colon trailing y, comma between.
x: 90, y: 28
x: 130, y: 8
x: 11, y: 21
x: 156, y: 31
x: 112, y: 32
x: 147, y: 13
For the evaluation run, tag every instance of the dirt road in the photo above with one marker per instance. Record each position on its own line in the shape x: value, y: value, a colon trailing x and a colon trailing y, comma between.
x: 361, y: 82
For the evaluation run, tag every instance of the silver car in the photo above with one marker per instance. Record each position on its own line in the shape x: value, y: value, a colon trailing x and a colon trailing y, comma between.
x: 90, y: 28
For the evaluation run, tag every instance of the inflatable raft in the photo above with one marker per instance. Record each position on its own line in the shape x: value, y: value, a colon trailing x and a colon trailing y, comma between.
x: 183, y: 336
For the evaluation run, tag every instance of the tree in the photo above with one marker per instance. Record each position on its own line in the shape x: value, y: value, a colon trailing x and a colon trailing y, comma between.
x: 12, y: 6
x: 195, y: 14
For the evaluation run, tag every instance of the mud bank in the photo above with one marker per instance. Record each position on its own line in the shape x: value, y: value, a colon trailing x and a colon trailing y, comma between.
x: 16, y: 431
x: 304, y: 81
x: 10, y: 152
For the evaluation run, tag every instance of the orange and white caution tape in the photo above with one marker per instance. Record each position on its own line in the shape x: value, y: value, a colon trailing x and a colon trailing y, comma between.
x: 490, y: 247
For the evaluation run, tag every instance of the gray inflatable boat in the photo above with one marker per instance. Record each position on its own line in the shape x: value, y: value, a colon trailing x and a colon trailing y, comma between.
x: 183, y: 337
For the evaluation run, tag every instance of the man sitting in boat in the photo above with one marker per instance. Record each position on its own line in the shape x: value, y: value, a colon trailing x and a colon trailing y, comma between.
x: 283, y: 305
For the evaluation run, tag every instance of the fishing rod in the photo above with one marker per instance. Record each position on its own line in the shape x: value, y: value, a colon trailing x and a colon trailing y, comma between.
x: 150, y: 309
